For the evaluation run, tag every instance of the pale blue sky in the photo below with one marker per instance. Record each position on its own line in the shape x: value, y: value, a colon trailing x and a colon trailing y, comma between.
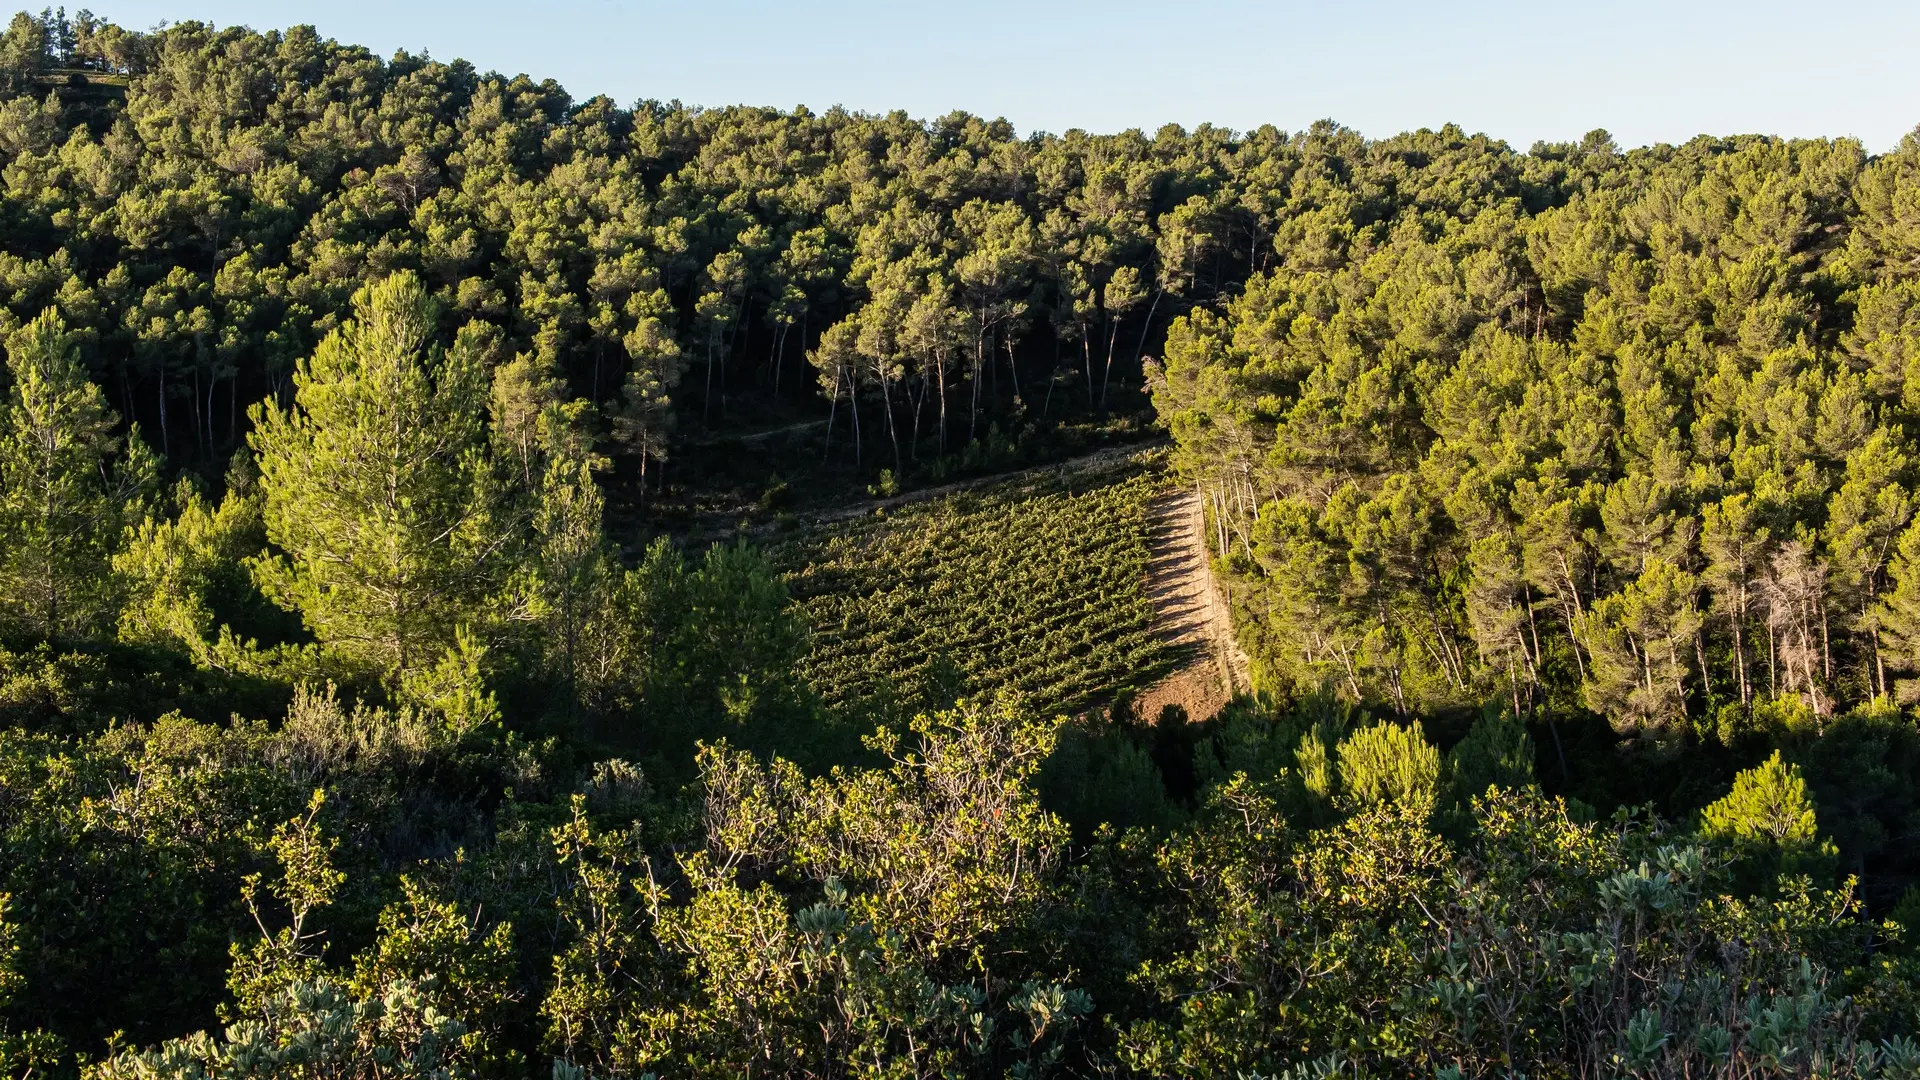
x: 1646, y: 71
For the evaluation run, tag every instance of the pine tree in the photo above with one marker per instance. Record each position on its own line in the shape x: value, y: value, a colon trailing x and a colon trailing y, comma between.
x: 572, y: 565
x: 1639, y: 642
x: 66, y: 485
x: 1387, y: 763
x: 1897, y: 616
x: 645, y: 419
x: 1768, y: 819
x: 1768, y: 804
x: 378, y: 485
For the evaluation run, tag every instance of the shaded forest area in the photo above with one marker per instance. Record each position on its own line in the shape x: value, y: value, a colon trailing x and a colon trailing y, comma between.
x: 360, y: 718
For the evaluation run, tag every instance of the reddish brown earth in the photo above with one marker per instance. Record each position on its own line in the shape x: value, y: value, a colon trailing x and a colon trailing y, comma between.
x: 1191, y: 610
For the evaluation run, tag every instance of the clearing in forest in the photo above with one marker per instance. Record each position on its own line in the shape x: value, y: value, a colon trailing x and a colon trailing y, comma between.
x: 1036, y: 585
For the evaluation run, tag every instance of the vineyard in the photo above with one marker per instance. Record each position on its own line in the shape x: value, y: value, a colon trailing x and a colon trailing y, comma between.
x: 1035, y: 586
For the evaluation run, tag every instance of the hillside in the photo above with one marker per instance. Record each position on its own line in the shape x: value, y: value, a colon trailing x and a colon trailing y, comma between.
x: 496, y: 586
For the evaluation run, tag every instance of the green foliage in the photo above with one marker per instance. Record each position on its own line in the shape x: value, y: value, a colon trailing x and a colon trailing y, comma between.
x: 1558, y: 437
x: 65, y: 487
x: 452, y: 964
x: 1616, y: 439
x: 134, y: 841
x: 678, y: 650
x: 1103, y: 772
x: 821, y: 919
x: 1768, y: 817
x: 28, y: 1054
x: 1768, y: 806
x: 922, y: 913
x: 311, y: 1029
x: 1387, y: 764
x: 376, y: 485
x: 1540, y: 941
x: 307, y: 882
x: 181, y: 576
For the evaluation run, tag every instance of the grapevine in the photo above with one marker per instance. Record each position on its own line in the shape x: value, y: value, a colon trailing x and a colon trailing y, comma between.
x: 1035, y: 585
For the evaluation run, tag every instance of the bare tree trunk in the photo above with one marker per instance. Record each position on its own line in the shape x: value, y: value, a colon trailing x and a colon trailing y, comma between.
x: 199, y: 429
x: 1740, y: 651
x: 1573, y: 640
x: 1538, y: 658
x: 919, y: 406
x: 853, y: 402
x: 832, y: 409
x: 979, y: 360
x: 1773, y: 651
x: 1053, y: 376
x: 779, y: 348
x: 1147, y: 326
x: 943, y: 404
x: 1879, y: 664
x: 706, y: 402
x: 1013, y: 368
x: 1086, y: 351
x: 1106, y: 372
x: 1826, y: 646
x: 1700, y: 655
x: 893, y: 435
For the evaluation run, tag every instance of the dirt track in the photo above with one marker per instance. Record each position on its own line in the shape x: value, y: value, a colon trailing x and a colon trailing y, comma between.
x: 1191, y: 611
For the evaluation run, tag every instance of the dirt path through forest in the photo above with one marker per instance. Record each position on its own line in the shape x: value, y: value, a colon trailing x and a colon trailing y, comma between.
x: 1191, y: 611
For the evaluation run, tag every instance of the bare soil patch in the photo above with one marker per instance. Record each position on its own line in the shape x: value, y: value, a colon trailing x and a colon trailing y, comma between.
x: 1191, y: 611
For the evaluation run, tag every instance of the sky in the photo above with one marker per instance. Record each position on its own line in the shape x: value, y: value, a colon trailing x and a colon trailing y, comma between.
x: 1547, y: 70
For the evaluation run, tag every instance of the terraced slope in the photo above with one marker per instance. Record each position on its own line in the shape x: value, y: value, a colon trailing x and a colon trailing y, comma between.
x: 1038, y: 585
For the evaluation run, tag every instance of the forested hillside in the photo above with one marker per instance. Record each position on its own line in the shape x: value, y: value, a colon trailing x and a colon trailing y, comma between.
x: 1647, y: 453
x: 201, y: 204
x: 460, y: 617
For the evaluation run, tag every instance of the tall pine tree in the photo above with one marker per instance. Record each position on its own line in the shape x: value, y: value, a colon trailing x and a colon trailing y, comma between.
x: 380, y: 488
x: 66, y: 484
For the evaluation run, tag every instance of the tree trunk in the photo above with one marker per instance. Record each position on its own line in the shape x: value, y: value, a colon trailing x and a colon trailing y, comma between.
x: 919, y: 406
x: 833, y: 408
x: 706, y: 402
x: 942, y: 375
x: 1146, y: 327
x: 1773, y: 672
x: 1013, y: 369
x: 1826, y: 647
x: 1700, y: 656
x: 1106, y: 372
x: 1879, y: 664
x: 1740, y: 651
x: 853, y: 402
x: 1053, y: 376
x: 886, y: 401
x: 979, y: 360
x: 166, y: 449
x: 1086, y: 351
